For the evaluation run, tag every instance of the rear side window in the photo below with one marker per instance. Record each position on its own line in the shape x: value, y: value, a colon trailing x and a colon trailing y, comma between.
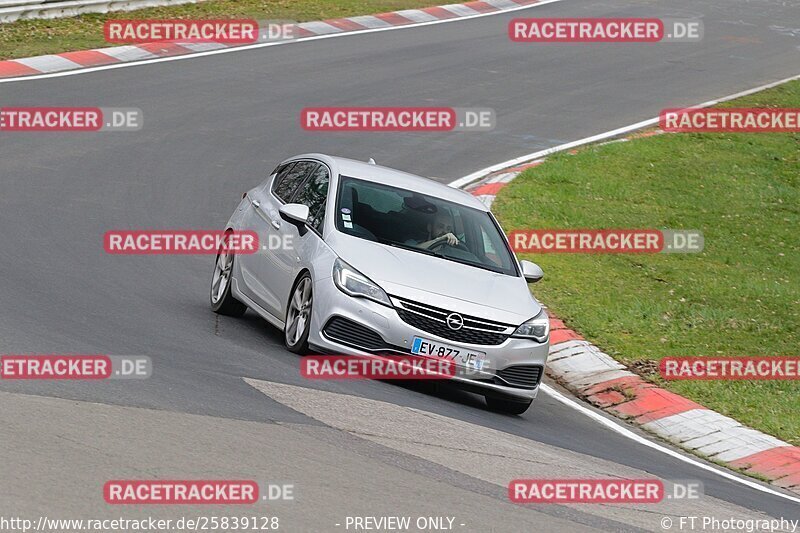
x: 280, y: 171
x: 288, y: 180
x: 314, y: 194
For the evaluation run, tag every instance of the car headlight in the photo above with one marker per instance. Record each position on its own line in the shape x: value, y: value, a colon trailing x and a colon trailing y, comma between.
x: 537, y: 328
x: 353, y: 283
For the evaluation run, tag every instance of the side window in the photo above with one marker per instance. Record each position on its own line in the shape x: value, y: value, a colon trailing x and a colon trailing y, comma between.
x: 281, y: 169
x: 313, y: 194
x: 286, y: 184
x: 280, y: 173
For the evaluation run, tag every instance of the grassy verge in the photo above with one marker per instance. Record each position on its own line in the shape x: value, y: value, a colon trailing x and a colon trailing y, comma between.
x: 741, y: 296
x: 36, y: 37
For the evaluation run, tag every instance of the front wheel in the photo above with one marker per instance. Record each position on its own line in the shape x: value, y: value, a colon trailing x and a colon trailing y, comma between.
x: 222, y: 301
x: 298, y: 316
x: 510, y: 407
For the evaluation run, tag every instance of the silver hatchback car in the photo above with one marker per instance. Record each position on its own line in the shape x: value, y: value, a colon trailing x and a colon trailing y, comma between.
x: 356, y: 258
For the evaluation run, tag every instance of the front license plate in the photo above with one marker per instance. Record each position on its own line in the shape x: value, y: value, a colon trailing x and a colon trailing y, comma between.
x: 461, y: 356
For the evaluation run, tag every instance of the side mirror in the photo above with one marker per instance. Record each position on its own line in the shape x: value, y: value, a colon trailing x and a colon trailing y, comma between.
x: 531, y: 271
x: 296, y: 214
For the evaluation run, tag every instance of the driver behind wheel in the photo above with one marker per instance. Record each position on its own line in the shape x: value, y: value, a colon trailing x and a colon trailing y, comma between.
x: 440, y: 230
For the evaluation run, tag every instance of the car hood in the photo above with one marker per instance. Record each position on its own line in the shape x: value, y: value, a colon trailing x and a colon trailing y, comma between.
x: 439, y: 282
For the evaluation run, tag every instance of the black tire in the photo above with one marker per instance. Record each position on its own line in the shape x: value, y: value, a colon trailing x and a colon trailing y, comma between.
x: 509, y: 407
x: 224, y: 303
x: 293, y: 343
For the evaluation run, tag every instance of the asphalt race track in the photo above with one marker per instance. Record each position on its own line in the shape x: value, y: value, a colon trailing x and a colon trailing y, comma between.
x: 213, y: 127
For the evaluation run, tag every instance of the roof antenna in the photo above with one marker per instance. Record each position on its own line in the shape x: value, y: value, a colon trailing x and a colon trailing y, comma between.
x: 371, y: 161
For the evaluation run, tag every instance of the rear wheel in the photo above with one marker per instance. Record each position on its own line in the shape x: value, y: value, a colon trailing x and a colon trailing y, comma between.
x: 298, y: 316
x: 222, y: 301
x: 511, y: 407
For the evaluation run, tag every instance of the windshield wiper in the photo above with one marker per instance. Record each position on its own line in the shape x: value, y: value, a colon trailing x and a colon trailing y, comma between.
x: 496, y: 270
x: 404, y: 246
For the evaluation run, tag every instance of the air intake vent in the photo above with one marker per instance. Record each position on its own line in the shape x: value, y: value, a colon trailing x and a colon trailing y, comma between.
x: 354, y: 334
x: 523, y: 376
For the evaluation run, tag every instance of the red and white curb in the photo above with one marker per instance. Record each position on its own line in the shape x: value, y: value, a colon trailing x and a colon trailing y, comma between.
x: 123, y: 54
x: 599, y: 379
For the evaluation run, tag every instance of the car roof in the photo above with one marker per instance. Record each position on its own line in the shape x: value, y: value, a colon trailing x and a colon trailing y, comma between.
x: 342, y: 166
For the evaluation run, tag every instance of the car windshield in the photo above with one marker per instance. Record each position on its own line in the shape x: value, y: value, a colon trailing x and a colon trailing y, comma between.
x: 424, y: 224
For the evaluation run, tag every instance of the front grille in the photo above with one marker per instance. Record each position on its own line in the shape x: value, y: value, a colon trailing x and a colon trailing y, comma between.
x: 354, y: 334
x: 524, y: 376
x: 434, y: 320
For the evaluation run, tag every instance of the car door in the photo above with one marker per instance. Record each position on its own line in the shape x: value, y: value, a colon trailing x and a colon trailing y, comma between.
x: 307, y: 243
x: 267, y: 273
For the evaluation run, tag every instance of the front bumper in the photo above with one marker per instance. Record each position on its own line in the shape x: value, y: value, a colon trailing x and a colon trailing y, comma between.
x: 397, y: 336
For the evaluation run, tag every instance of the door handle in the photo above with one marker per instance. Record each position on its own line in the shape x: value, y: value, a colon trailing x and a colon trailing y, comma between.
x: 275, y: 223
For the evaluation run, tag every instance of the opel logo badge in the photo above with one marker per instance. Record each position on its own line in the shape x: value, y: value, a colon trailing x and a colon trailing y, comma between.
x: 455, y: 321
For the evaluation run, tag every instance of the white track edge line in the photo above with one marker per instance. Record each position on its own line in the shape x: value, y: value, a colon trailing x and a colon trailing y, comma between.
x: 616, y: 427
x: 264, y: 45
x: 612, y: 425
x: 461, y: 182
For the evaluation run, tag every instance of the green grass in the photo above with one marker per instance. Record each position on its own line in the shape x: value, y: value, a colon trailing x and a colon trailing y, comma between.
x: 739, y: 297
x: 36, y: 37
